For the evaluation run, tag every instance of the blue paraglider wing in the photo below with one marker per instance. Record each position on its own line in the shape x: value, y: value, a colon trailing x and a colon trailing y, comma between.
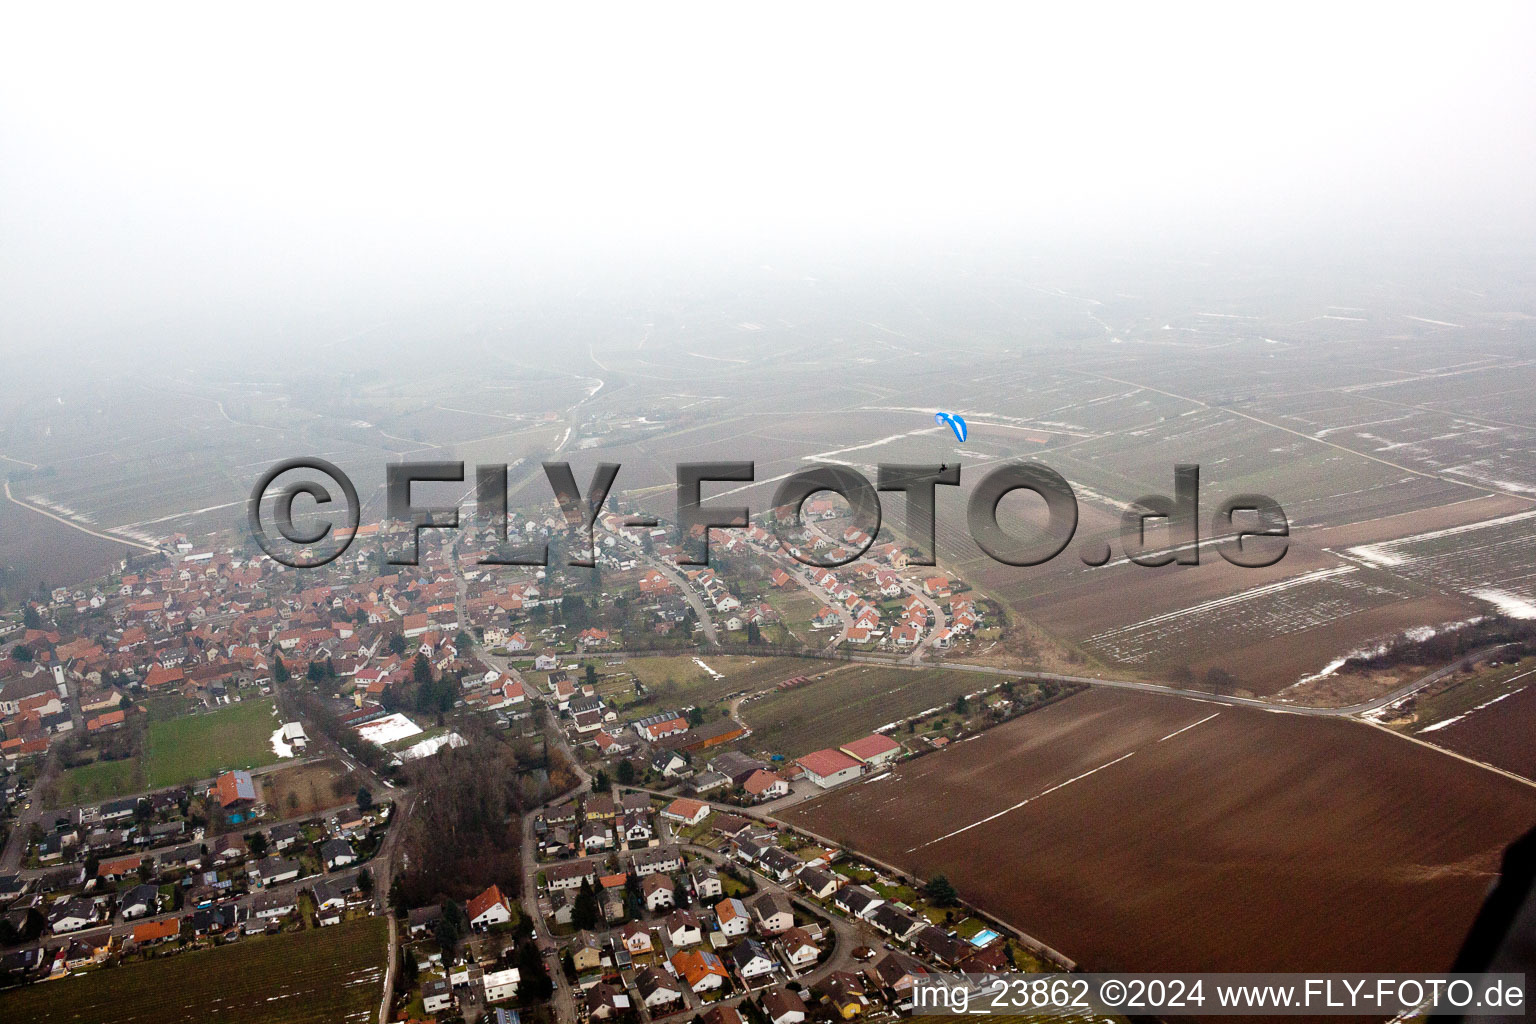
x: 954, y: 422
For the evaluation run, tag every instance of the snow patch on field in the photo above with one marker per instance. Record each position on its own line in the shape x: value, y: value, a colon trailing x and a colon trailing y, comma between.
x: 383, y: 731
x: 1377, y: 556
x: 712, y: 673
x: 1512, y: 605
x: 1452, y: 721
x: 1323, y: 673
x: 1386, y: 554
x: 428, y: 747
x: 1267, y: 590
x: 280, y: 746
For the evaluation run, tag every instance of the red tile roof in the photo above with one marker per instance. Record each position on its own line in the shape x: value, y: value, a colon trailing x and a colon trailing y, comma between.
x: 870, y: 746
x: 826, y: 762
x: 485, y: 901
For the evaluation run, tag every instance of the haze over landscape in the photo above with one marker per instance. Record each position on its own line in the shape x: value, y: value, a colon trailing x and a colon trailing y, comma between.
x: 1295, y: 250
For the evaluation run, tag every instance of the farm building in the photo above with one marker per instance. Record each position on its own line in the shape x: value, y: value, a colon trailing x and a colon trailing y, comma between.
x: 828, y: 768
x: 873, y: 750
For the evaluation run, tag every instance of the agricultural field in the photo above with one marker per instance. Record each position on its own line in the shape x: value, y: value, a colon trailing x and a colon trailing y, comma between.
x: 1499, y: 732
x: 1140, y: 832
x: 202, y: 745
x: 324, y: 976
x: 1493, y: 561
x: 849, y: 702
x: 1486, y: 715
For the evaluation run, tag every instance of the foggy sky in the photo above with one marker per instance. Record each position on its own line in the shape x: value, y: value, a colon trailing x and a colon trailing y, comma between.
x: 160, y: 164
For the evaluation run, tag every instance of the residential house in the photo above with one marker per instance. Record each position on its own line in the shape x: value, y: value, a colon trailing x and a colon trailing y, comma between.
x: 898, y: 924
x: 281, y: 837
x: 658, y: 891
x: 500, y: 985
x: 637, y: 827
x: 606, y: 1002
x: 153, y: 932
x: 751, y: 961
x: 683, y: 928
x: 933, y: 943
x: 596, y: 836
x: 773, y: 913
x: 330, y: 900
x: 700, y: 970
x: 571, y: 874
x: 586, y: 952
x: 669, y: 764
x: 778, y: 863
x: 236, y: 793
x: 763, y: 785
x: 270, y: 907
x: 843, y: 992
x: 896, y: 973
x: 422, y: 920
x: 857, y: 901
x: 72, y: 915
x: 654, y: 860
x: 139, y: 901
x: 686, y: 811
x: 799, y: 948
x: 782, y: 1005
x: 436, y: 996
x: 657, y: 988
x: 336, y: 853
x: 275, y: 871
x: 636, y: 939
x: 817, y: 882
x: 706, y: 881
x: 489, y: 908
x: 732, y: 915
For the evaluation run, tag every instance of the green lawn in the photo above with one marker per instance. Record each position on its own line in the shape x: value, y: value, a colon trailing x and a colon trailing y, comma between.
x: 324, y: 975
x: 201, y: 746
x: 850, y: 703
x: 103, y: 780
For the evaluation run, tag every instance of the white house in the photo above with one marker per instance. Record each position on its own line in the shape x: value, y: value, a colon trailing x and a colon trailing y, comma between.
x: 488, y: 908
x: 752, y: 960
x: 686, y: 811
x: 500, y: 985
x: 828, y: 768
x: 733, y: 917
x: 436, y: 996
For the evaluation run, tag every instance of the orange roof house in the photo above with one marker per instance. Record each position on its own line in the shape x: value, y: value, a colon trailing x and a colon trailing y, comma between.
x: 490, y: 907
x: 235, y: 789
x: 156, y: 931
x: 160, y: 676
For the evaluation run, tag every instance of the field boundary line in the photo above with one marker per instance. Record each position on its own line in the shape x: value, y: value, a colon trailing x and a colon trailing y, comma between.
x: 1310, y: 437
x: 1451, y: 753
x: 71, y: 523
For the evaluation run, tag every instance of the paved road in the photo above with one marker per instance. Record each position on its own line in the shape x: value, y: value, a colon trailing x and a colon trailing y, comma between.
x: 1353, y: 710
x: 21, y: 827
x: 678, y: 580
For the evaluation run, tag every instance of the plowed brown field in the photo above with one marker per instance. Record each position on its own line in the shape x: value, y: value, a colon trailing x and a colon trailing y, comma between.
x: 1154, y: 833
